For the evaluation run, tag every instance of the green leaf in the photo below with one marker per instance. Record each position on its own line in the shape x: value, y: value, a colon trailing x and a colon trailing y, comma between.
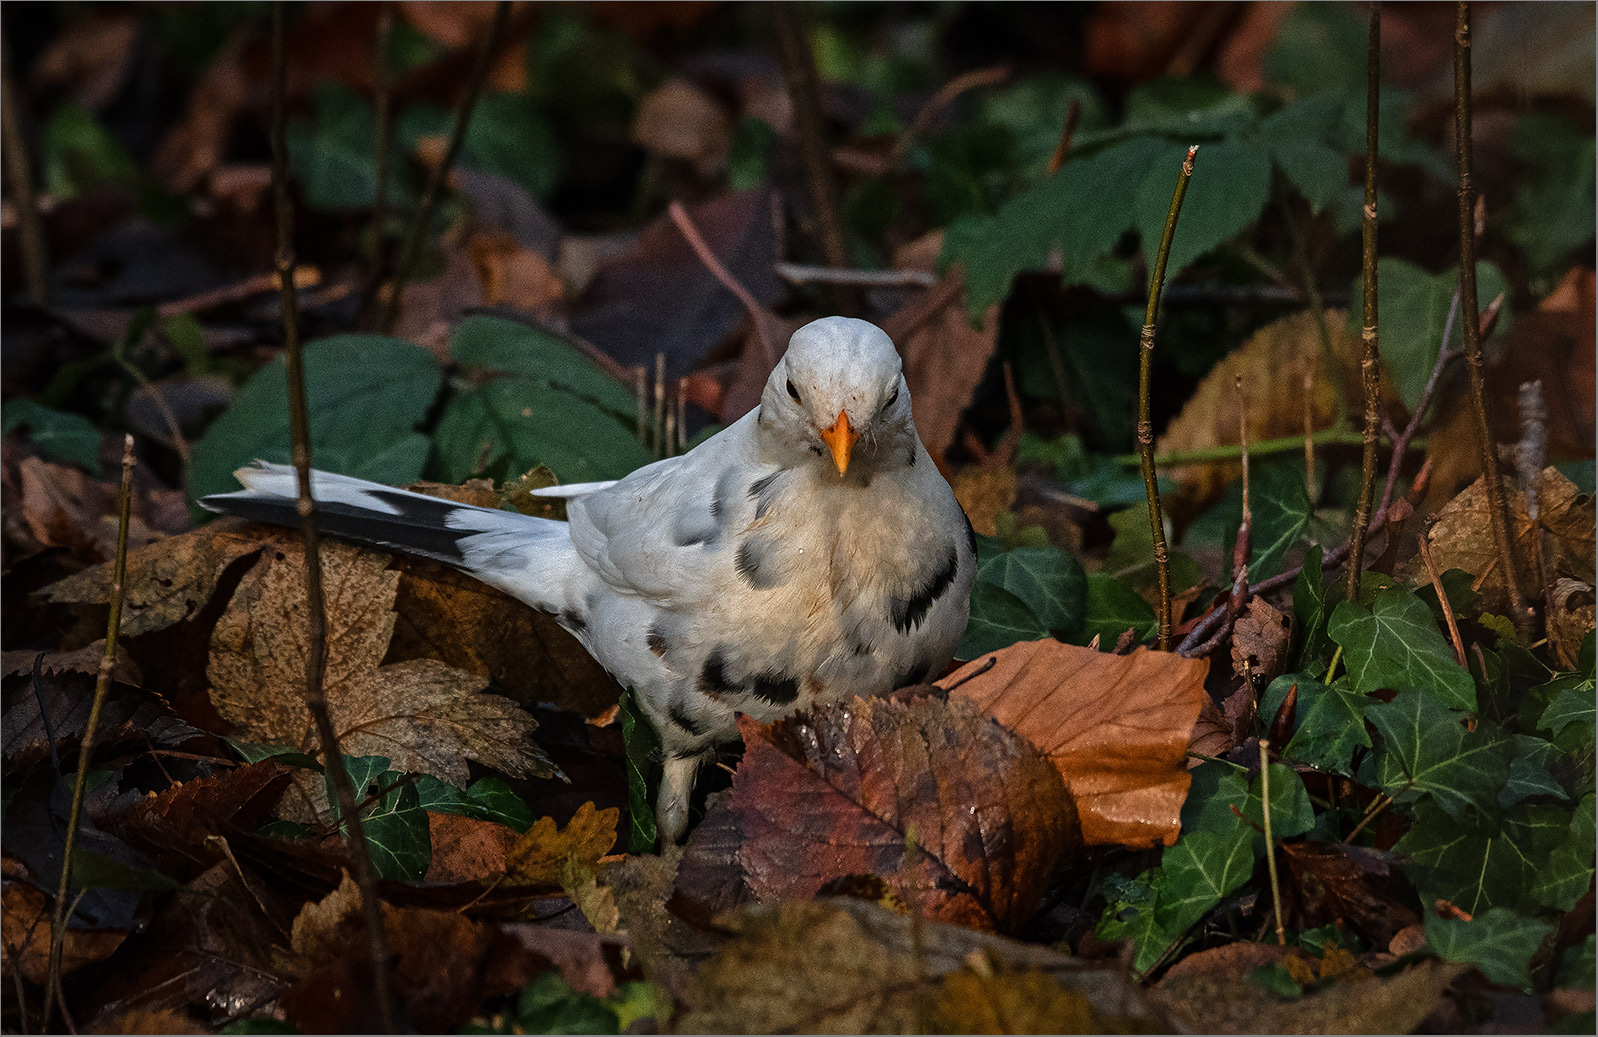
x: 512, y: 424
x: 396, y: 826
x: 492, y: 799
x: 1426, y: 750
x: 1298, y: 137
x: 1499, y: 942
x: 59, y: 435
x: 439, y: 796
x: 1530, y: 759
x: 549, y: 1005
x: 334, y: 154
x: 998, y: 619
x: 1291, y: 812
x: 1536, y: 856
x: 79, y: 154
x: 1215, y: 788
x: 642, y: 747
x: 1311, y: 609
x: 1282, y: 513
x: 366, y: 395
x: 1048, y: 580
x: 1111, y: 609
x: 1576, y: 965
x: 1572, y: 705
x: 1414, y: 307
x: 1199, y: 871
x: 1552, y: 212
x: 1328, y: 725
x: 287, y: 755
x: 1395, y: 644
x: 1231, y: 182
x: 1187, y: 107
x: 509, y: 135
x: 1319, y: 47
x: 511, y: 347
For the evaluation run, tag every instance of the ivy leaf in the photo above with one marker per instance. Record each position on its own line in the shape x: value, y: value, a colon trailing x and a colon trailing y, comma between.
x: 1199, y: 871
x: 1577, y: 965
x: 1529, y: 760
x: 512, y: 347
x: 1282, y: 512
x: 1567, y: 873
x: 492, y: 799
x: 1328, y: 725
x: 1534, y: 857
x: 642, y: 746
x: 1111, y: 609
x: 1551, y: 214
x: 1426, y: 750
x: 1231, y: 181
x: 396, y: 826
x: 1395, y: 644
x: 1297, y: 139
x: 1291, y: 812
x: 998, y: 620
x: 1211, y: 794
x: 1499, y: 942
x: 1311, y: 608
x: 1572, y: 706
x: 1048, y: 580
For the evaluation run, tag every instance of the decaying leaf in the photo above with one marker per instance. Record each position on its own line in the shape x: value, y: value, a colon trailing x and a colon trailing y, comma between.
x: 168, y: 581
x: 1336, y: 882
x: 1116, y: 727
x: 1008, y: 1001
x: 177, y: 824
x: 539, y: 855
x: 964, y: 819
x: 421, y: 714
x: 56, y: 706
x: 1462, y: 538
x: 466, y: 849
x: 25, y: 926
x: 850, y: 966
x: 1260, y: 640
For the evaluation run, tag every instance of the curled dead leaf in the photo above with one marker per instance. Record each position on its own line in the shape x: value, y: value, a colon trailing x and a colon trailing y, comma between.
x: 1116, y: 726
x: 25, y: 926
x: 538, y: 856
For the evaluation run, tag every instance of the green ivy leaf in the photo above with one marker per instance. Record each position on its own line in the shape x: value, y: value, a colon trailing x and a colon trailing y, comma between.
x: 1572, y: 708
x: 1328, y: 725
x: 512, y: 424
x: 366, y: 395
x: 1111, y: 609
x: 1231, y: 182
x: 642, y: 746
x: 1048, y: 580
x: 1199, y: 871
x: 1311, y: 610
x: 1499, y: 942
x: 59, y: 435
x: 998, y: 619
x: 549, y: 1005
x: 1535, y: 856
x: 1552, y: 212
x: 334, y: 154
x: 512, y: 347
x: 1426, y: 750
x: 509, y: 135
x: 1129, y: 915
x: 1577, y: 965
x: 1291, y: 812
x: 1530, y: 759
x: 1298, y: 138
x: 492, y: 799
x: 1282, y: 513
x: 1395, y: 644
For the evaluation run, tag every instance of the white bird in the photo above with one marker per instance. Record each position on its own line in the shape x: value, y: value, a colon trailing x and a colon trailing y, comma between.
x: 808, y: 553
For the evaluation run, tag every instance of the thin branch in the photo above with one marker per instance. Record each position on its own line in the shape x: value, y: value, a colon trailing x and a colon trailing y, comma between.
x: 1369, y: 371
x: 435, y: 180
x: 382, y: 103
x: 1497, y: 507
x: 966, y: 81
x: 751, y: 305
x: 19, y: 177
x: 316, y: 616
x: 800, y: 273
x: 1062, y: 149
x: 804, y: 86
x: 102, y: 687
x: 1232, y: 452
x: 1145, y: 427
x: 1442, y: 597
x: 1270, y: 842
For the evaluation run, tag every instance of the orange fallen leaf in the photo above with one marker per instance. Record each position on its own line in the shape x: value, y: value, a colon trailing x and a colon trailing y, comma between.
x: 539, y: 855
x: 1116, y: 727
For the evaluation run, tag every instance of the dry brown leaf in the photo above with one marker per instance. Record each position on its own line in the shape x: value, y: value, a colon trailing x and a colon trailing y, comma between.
x: 962, y: 818
x: 539, y: 854
x: 851, y: 966
x: 1356, y: 1003
x: 1272, y: 364
x: 1462, y: 538
x: 1572, y: 612
x: 25, y: 927
x: 164, y: 1021
x: 87, y: 659
x: 178, y: 825
x: 944, y: 357
x: 512, y: 274
x: 1116, y: 726
x: 680, y: 120
x: 466, y: 849
x: 1260, y: 640
x: 1010, y: 1001
x: 168, y: 581
x: 985, y: 491
x: 421, y: 714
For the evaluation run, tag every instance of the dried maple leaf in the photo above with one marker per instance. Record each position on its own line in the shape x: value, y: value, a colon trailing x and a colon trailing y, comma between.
x: 176, y: 825
x: 1116, y: 726
x: 850, y: 966
x: 965, y: 820
x: 538, y: 855
x: 1462, y: 538
x: 421, y: 714
x: 168, y: 581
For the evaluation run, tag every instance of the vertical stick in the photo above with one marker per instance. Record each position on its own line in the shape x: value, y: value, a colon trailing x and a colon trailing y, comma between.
x: 799, y: 69
x: 382, y: 98
x: 102, y: 686
x: 19, y: 177
x: 1496, y: 505
x: 1145, y: 426
x: 1270, y: 841
x: 1369, y: 371
x: 316, y: 616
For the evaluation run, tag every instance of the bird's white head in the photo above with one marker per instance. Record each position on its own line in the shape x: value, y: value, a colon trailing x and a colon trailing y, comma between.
x: 837, y: 399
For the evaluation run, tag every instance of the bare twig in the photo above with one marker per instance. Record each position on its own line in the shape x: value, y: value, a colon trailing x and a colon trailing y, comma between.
x: 966, y: 81
x: 382, y: 103
x: 19, y: 177
x: 1369, y: 371
x: 1270, y: 843
x: 1062, y: 149
x: 435, y: 180
x: 757, y: 313
x: 102, y: 687
x: 1442, y: 597
x: 1474, y: 365
x: 804, y: 86
x: 1145, y: 426
x: 800, y: 273
x: 316, y: 616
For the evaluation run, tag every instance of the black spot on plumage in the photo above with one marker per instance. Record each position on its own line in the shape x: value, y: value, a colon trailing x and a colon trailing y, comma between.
x: 774, y: 688
x: 815, y: 448
x: 679, y: 716
x: 657, y: 642
x: 713, y: 675
x: 908, y: 612
x: 763, y: 492
x: 910, y: 457
x: 755, y: 566
x: 573, y: 620
x: 418, y: 526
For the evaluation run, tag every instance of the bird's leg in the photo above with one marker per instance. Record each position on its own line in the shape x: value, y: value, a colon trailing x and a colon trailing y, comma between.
x: 676, y: 790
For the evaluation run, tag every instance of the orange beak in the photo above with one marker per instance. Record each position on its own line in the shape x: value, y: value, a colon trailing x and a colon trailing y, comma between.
x: 840, y: 436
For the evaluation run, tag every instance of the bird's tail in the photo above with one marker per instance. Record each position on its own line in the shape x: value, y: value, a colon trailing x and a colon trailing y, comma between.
x: 519, y: 554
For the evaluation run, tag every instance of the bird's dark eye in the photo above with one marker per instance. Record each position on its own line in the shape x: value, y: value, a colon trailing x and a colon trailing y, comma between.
x: 893, y: 397
x: 793, y: 392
